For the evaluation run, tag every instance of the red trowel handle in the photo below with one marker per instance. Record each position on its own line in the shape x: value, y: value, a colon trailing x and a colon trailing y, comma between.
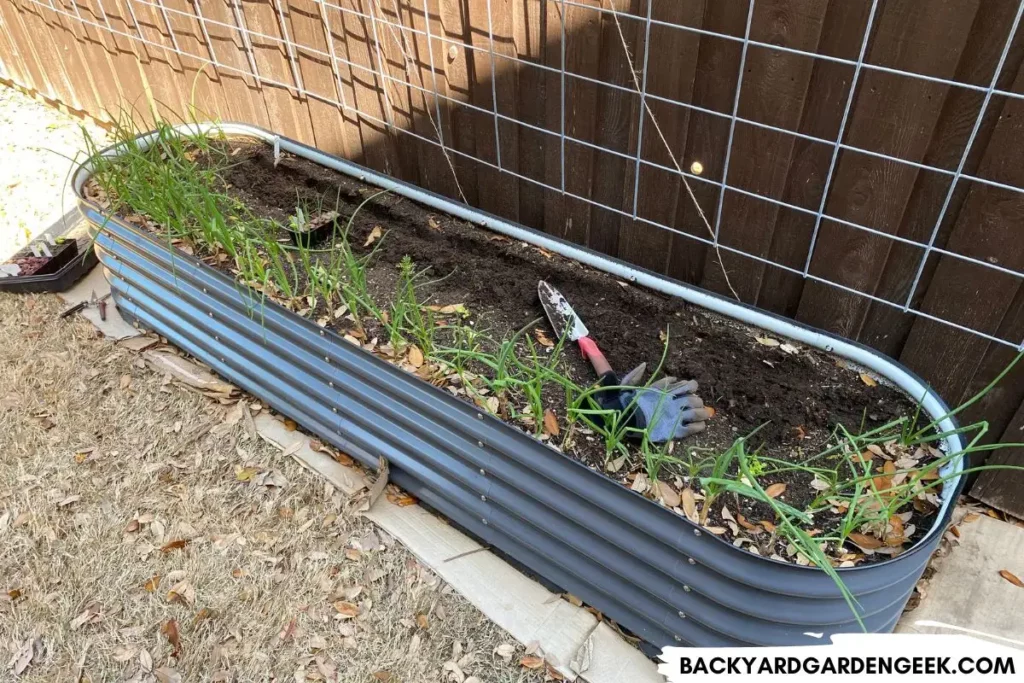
x: 590, y: 351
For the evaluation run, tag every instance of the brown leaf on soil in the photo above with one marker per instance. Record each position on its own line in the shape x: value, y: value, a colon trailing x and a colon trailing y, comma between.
x: 668, y: 494
x: 768, y: 526
x: 384, y: 676
x: 203, y: 614
x: 884, y: 483
x: 550, y: 423
x: 290, y: 424
x: 868, y: 379
x: 182, y: 592
x: 972, y: 517
x: 422, y: 621
x: 864, y: 541
x: 347, y: 609
x: 542, y: 338
x: 895, y: 538
x: 152, y: 584
x: 415, y: 356
x: 374, y: 235
x: 401, y: 499
x: 531, y: 662
x: 132, y: 527
x: 689, y: 504
x: 1011, y: 577
x: 176, y: 544
x: 747, y: 525
x: 170, y: 631
x: 775, y: 490
x: 13, y: 594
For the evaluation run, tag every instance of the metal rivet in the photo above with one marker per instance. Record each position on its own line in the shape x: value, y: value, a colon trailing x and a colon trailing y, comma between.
x: 483, y: 498
x: 483, y: 472
x: 678, y: 639
x: 327, y: 359
x: 479, y: 416
x: 687, y: 589
x: 692, y: 561
x: 484, y: 521
x: 330, y: 384
x: 222, y: 359
x: 204, y: 291
x: 480, y: 444
x: 216, y: 338
x: 681, y: 615
x: 321, y: 333
x: 362, y: 177
x: 211, y: 314
x: 334, y: 409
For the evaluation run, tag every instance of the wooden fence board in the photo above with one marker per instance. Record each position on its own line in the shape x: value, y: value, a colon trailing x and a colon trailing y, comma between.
x: 884, y: 327
x: 529, y: 28
x: 774, y: 92
x: 871, y: 191
x: 661, y: 192
x: 285, y: 106
x: 718, y: 62
x: 306, y: 27
x: 1004, y: 489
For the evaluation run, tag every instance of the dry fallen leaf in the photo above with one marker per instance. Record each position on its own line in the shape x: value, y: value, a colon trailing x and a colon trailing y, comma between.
x: 176, y: 544
x: 864, y: 541
x: 152, y: 584
x: 775, y: 490
x: 170, y: 631
x: 768, y: 526
x: 868, y: 379
x: 668, y: 494
x: 550, y: 423
x: 767, y: 341
x: 203, y: 614
x: 347, y: 609
x: 543, y: 338
x: 505, y: 651
x: 374, y: 235
x: 689, y: 504
x: 422, y: 621
x: 531, y: 662
x: 415, y: 356
x: 290, y: 424
x: 1011, y: 577
x: 182, y: 592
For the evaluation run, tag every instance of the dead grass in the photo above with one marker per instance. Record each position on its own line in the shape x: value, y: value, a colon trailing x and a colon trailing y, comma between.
x: 260, y: 586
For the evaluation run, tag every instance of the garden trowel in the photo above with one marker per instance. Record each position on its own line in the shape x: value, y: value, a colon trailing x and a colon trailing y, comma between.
x: 666, y: 409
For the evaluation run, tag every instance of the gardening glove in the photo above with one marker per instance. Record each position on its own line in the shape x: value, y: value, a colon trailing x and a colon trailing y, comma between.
x: 668, y: 409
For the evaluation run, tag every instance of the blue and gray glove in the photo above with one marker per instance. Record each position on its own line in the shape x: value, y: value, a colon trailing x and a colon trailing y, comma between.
x: 668, y: 409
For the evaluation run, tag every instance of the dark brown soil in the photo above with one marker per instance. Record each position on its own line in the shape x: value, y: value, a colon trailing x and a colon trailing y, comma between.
x: 749, y: 384
x: 796, y: 398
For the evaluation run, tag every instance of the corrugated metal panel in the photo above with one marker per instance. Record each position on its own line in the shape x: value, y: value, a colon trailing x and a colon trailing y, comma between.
x: 649, y: 569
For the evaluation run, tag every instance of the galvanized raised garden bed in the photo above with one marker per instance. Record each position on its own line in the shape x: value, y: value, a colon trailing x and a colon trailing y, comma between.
x: 652, y: 571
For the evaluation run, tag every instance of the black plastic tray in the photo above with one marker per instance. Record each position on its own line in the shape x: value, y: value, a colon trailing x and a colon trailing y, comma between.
x: 66, y: 276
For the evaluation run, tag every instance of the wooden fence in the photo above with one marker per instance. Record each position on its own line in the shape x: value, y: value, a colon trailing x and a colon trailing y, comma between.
x: 905, y: 234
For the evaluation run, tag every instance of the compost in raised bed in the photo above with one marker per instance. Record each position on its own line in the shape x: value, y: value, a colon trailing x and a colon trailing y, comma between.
x: 807, y: 458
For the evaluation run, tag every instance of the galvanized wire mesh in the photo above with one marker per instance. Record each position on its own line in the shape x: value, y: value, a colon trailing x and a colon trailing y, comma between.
x: 389, y: 35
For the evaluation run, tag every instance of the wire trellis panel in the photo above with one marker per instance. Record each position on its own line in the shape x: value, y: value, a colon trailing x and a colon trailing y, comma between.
x: 841, y: 172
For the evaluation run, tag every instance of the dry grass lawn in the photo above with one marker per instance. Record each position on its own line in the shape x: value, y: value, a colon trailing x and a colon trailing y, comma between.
x: 128, y: 552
